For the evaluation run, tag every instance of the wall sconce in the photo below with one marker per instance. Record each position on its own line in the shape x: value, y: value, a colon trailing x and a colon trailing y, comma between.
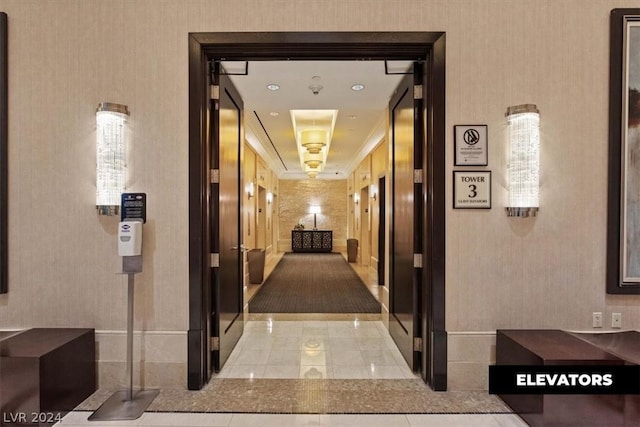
x: 356, y: 198
x: 315, y: 210
x: 374, y: 191
x: 110, y: 156
x: 269, y: 197
x: 524, y: 160
x: 250, y: 190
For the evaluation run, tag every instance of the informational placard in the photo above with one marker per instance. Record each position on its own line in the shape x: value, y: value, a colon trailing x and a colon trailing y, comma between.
x: 472, y: 189
x: 133, y: 206
x: 470, y: 145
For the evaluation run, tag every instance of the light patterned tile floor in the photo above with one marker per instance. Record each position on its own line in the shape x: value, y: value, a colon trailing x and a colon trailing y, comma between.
x: 308, y: 347
x: 164, y: 419
x: 316, y: 349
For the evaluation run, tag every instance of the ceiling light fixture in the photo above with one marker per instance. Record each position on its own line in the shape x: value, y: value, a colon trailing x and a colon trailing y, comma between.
x: 313, y: 140
x: 357, y: 87
x: 274, y: 114
x: 313, y: 130
x: 313, y: 160
x: 273, y: 86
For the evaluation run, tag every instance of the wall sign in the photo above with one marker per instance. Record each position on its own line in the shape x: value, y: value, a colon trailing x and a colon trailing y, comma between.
x: 470, y: 145
x: 472, y: 189
x: 133, y: 206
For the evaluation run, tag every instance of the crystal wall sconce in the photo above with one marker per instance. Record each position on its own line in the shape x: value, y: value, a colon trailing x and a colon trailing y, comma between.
x: 524, y: 160
x: 111, y: 156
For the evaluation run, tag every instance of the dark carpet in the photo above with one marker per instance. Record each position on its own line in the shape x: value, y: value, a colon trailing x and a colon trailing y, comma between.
x: 313, y: 283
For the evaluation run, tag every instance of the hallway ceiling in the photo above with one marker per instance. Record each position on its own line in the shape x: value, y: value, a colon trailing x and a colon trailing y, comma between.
x: 361, y: 114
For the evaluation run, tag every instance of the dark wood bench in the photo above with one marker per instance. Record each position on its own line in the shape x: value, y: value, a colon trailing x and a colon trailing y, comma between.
x: 555, y: 347
x: 46, y: 372
x: 625, y: 345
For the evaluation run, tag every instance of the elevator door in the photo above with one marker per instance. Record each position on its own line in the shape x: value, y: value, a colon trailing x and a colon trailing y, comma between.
x: 404, y: 286
x: 227, y: 280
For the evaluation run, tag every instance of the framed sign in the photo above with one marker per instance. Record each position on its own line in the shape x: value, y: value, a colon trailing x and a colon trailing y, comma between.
x: 470, y: 143
x: 133, y: 206
x: 472, y: 189
x: 623, y: 230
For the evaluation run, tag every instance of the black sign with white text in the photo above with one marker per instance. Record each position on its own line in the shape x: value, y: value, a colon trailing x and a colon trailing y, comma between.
x: 564, y: 379
x: 133, y: 206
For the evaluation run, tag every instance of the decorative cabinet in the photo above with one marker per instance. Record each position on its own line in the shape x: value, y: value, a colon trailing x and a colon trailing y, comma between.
x: 312, y: 240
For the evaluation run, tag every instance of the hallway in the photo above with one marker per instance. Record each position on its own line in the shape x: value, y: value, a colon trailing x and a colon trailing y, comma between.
x: 324, y: 346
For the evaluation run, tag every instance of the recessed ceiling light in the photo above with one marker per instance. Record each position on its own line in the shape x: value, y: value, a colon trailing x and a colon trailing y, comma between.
x: 274, y: 114
x: 273, y: 86
x: 353, y: 117
x: 357, y: 87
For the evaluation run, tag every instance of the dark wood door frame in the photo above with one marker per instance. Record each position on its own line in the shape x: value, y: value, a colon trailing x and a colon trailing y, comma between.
x: 417, y: 46
x: 382, y: 223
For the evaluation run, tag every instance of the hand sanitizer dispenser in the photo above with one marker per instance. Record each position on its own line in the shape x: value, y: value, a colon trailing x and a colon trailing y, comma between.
x: 130, y: 238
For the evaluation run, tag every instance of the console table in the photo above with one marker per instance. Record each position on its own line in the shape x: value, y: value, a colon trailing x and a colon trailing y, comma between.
x: 311, y: 240
x: 46, y: 372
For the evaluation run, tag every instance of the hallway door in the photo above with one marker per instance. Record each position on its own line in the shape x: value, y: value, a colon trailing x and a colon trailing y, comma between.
x: 404, y: 286
x: 226, y: 138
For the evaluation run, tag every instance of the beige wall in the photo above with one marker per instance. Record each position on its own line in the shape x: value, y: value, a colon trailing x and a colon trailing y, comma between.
x: 379, y: 164
x: 295, y: 198
x: 249, y: 205
x: 257, y: 213
x: 66, y: 56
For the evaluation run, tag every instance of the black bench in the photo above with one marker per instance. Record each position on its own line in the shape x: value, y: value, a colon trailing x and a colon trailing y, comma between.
x: 46, y: 372
x: 555, y: 347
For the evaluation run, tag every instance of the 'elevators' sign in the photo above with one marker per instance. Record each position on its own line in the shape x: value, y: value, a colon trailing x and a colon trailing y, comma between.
x: 470, y: 145
x: 472, y: 189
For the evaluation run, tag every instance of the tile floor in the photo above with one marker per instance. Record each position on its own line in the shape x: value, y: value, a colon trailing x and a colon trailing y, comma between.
x: 329, y: 347
x: 310, y: 349
x: 316, y: 349
x: 156, y: 419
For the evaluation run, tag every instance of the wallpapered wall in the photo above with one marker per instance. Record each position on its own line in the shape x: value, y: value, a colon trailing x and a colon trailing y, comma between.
x: 66, y: 56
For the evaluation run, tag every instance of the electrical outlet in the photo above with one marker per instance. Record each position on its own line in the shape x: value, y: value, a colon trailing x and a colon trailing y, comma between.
x: 616, y: 320
x: 597, y: 319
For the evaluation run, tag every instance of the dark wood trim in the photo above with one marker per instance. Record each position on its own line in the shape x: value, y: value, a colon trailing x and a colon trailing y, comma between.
x: 420, y: 78
x: 4, y: 156
x: 197, y: 345
x: 275, y: 46
x: 382, y: 219
x: 414, y: 46
x: 614, y: 281
x: 434, y: 333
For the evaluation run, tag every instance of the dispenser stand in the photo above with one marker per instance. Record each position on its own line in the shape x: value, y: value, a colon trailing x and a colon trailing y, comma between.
x: 127, y: 404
